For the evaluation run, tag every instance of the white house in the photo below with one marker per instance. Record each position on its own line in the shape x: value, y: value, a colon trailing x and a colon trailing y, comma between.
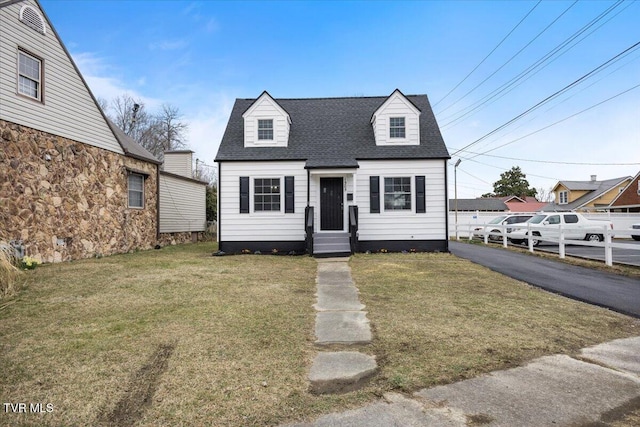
x: 332, y: 176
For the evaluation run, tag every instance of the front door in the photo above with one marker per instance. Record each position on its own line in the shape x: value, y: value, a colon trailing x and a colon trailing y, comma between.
x: 331, y: 204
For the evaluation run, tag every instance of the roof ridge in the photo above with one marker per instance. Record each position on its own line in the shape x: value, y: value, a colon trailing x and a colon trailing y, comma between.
x: 331, y: 97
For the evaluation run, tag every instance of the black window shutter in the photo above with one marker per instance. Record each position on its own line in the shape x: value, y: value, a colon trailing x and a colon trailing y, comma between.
x: 244, y: 194
x: 289, y: 206
x: 421, y: 206
x: 374, y: 194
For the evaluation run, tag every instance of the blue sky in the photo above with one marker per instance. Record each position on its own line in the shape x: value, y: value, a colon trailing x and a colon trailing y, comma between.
x: 200, y: 56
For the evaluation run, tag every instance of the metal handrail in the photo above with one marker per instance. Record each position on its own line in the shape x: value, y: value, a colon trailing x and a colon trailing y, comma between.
x: 309, y: 228
x: 353, y: 228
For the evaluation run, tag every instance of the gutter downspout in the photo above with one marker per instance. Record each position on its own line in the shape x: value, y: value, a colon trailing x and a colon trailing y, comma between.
x: 157, y: 203
x: 446, y: 205
x: 218, y: 216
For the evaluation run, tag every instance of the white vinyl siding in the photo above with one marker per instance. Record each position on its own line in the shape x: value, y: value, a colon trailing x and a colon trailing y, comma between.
x: 67, y: 109
x: 397, y: 106
x: 403, y: 224
x: 182, y: 205
x: 260, y: 226
x: 178, y: 163
x: 261, y: 111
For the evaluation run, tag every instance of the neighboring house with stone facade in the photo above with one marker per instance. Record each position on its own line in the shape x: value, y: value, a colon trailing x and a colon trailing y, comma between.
x: 72, y: 185
x: 332, y: 176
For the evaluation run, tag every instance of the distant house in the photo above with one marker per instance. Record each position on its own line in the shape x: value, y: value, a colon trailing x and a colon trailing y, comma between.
x: 523, y: 204
x: 332, y: 175
x: 497, y: 204
x: 482, y: 204
x: 72, y: 185
x: 587, y: 195
x: 628, y: 200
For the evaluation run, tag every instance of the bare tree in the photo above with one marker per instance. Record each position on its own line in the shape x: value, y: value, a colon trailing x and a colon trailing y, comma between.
x: 157, y: 133
x: 545, y: 195
x: 171, y: 130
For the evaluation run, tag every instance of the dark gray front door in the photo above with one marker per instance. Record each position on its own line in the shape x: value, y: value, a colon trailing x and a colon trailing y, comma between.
x: 331, y: 204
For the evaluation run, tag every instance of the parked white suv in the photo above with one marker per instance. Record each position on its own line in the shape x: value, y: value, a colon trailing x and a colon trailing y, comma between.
x: 574, y: 225
x: 635, y: 227
x: 495, y: 233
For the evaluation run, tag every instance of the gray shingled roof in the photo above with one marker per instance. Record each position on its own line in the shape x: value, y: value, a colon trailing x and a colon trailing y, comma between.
x: 483, y: 204
x: 332, y: 132
x: 595, y: 188
x: 131, y: 148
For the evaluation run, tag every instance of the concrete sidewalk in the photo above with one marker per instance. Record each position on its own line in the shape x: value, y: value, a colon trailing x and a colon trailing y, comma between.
x: 599, y: 385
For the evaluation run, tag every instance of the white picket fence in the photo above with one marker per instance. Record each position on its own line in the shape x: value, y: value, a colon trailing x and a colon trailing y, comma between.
x: 467, y: 229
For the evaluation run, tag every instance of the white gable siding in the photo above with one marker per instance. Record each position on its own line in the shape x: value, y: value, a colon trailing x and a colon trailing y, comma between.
x: 401, y: 225
x: 260, y: 226
x: 266, y: 108
x: 182, y: 205
x: 396, y: 106
x: 68, y: 109
x: 179, y: 163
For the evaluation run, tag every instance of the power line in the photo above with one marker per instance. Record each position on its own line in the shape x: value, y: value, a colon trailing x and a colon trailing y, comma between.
x: 563, y: 101
x: 551, y: 161
x: 556, y: 94
x: 512, y: 58
x: 562, y: 120
x: 534, y: 68
x: 489, y: 54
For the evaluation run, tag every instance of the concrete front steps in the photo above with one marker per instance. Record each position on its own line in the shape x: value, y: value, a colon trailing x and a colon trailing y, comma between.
x: 339, y: 321
x: 331, y: 244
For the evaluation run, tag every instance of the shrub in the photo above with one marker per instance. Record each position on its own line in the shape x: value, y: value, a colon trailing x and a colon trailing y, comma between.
x: 8, y: 270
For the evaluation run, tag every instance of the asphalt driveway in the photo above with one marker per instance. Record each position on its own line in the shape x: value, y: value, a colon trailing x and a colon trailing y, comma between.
x: 619, y: 293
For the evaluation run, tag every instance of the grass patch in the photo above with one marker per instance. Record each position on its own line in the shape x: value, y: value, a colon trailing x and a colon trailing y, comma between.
x: 440, y: 319
x: 178, y: 337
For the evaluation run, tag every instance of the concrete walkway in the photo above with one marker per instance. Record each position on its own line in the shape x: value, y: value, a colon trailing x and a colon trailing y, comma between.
x: 594, y: 388
x: 339, y: 321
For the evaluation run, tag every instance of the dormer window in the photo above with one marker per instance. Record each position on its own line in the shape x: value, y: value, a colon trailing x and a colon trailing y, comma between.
x: 265, y: 129
x: 396, y: 127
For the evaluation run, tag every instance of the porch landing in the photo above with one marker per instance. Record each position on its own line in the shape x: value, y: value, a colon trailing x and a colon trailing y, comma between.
x: 331, y: 244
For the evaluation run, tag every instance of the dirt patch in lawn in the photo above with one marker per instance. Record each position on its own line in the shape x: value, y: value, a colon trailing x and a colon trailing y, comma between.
x: 140, y: 390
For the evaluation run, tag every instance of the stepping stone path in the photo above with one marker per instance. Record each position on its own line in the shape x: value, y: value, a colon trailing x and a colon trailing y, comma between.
x: 339, y: 321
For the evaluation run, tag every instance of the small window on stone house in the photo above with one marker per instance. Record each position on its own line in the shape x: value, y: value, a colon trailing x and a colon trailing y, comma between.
x: 136, y: 190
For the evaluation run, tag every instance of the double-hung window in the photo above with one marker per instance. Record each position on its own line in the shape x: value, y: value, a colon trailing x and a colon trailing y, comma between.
x: 564, y: 197
x: 136, y: 190
x: 397, y: 194
x: 396, y: 127
x: 266, y: 194
x: 265, y: 129
x: 29, y: 75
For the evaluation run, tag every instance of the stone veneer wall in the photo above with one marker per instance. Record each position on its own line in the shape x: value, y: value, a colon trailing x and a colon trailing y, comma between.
x: 165, y: 239
x: 68, y: 200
